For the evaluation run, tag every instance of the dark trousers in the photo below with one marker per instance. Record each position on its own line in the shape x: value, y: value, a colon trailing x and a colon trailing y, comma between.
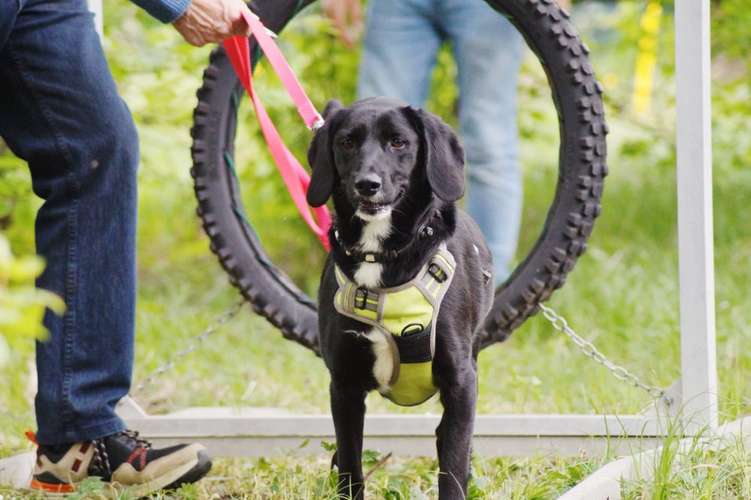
x: 61, y: 113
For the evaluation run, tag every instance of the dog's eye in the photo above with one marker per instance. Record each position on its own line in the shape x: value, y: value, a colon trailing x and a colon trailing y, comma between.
x: 397, y: 142
x: 346, y: 142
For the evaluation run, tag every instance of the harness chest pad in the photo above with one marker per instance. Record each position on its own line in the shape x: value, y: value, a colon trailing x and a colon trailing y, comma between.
x: 406, y: 316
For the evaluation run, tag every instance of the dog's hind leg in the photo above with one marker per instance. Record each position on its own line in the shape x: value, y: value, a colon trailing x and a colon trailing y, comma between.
x: 348, y: 410
x: 454, y: 435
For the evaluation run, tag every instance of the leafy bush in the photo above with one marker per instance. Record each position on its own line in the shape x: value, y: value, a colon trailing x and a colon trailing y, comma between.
x: 22, y: 305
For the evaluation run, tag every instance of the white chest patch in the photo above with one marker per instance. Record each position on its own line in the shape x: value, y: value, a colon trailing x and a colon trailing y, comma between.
x: 373, y: 233
x: 369, y: 275
x: 384, y: 363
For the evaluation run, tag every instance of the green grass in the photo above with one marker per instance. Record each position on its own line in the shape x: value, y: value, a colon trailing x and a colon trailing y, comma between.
x: 293, y: 478
x: 623, y: 295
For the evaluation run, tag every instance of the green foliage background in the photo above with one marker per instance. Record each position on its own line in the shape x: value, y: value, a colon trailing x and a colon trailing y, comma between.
x: 623, y: 294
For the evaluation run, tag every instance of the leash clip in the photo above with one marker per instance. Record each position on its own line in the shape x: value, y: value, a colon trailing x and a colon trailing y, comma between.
x: 318, y: 124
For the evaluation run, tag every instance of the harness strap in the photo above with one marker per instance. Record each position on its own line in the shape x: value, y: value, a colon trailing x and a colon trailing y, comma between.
x: 412, y: 345
x: 367, y: 304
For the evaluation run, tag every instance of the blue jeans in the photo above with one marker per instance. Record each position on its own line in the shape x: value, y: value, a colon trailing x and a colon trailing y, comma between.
x: 60, y: 111
x: 401, y: 43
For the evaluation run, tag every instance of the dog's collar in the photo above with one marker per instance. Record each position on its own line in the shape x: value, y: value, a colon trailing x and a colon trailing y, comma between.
x: 355, y: 253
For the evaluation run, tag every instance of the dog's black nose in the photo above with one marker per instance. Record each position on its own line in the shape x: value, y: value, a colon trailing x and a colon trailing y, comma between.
x: 368, y: 184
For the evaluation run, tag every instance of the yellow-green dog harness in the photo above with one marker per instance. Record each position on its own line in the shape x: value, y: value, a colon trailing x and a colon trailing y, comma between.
x: 406, y: 315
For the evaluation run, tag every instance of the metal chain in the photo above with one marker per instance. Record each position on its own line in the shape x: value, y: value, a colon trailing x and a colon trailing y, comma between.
x: 586, y: 347
x: 195, y: 344
x: 557, y: 321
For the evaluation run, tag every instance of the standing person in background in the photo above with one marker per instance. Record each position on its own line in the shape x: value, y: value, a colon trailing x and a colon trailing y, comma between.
x: 61, y: 113
x: 402, y: 39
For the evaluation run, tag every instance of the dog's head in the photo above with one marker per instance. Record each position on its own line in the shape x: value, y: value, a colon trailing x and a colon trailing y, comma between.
x: 371, y: 154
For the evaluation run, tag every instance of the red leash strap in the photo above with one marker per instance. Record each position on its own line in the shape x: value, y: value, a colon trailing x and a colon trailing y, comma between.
x: 295, y: 177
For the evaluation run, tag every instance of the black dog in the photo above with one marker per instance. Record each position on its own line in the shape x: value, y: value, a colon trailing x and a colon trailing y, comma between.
x: 394, y: 173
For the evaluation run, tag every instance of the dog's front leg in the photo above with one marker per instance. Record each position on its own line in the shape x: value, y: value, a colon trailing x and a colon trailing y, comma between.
x: 455, y: 435
x: 348, y: 410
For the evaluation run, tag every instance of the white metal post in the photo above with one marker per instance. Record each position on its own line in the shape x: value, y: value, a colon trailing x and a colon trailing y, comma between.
x: 95, y: 6
x: 695, y: 234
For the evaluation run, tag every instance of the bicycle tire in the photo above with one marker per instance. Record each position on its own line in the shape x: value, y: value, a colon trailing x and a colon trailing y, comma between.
x: 582, y: 168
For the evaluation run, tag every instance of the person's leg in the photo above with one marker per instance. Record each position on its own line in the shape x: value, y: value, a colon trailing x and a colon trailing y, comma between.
x: 60, y: 112
x: 399, y: 50
x: 8, y: 12
x: 488, y: 52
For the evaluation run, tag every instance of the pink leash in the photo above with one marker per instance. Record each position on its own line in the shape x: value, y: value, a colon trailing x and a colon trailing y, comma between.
x: 294, y: 175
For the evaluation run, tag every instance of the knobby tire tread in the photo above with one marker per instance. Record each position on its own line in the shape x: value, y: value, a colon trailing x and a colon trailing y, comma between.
x: 578, y: 100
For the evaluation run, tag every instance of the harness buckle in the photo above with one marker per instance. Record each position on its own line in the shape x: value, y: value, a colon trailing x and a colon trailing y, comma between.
x: 319, y: 123
x: 412, y: 329
x: 361, y: 298
x: 437, y: 273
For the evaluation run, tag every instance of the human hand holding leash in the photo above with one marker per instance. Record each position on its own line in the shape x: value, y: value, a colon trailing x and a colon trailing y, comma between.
x: 346, y: 15
x: 210, y: 21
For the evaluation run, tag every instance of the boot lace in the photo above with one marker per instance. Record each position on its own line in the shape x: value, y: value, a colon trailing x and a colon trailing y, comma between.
x: 134, y: 437
x: 100, y: 462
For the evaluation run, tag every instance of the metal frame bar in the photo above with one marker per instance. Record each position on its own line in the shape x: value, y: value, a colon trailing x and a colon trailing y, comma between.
x: 264, y: 431
x: 606, y: 482
x: 695, y: 226
x: 252, y: 432
x: 95, y: 6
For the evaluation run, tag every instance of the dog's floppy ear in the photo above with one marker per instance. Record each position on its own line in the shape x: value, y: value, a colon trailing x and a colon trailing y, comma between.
x: 441, y: 152
x: 321, y: 158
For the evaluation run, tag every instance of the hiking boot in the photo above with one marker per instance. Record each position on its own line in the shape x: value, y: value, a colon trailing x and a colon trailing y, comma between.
x: 122, y: 459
